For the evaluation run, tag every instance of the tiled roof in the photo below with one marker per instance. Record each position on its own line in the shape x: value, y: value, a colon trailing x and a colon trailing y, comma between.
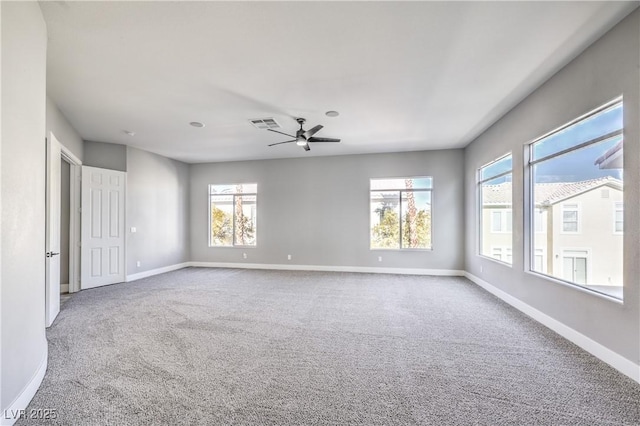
x: 547, y: 193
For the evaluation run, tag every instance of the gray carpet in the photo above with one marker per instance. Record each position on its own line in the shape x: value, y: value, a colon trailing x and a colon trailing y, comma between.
x: 226, y: 346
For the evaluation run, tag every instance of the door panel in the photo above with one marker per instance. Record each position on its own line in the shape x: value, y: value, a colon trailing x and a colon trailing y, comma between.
x: 567, y: 268
x: 574, y: 266
x: 52, y: 255
x: 581, y: 270
x: 103, y: 195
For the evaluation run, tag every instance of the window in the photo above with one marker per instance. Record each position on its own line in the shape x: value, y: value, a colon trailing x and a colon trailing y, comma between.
x: 501, y: 220
x: 502, y: 253
x: 401, y: 213
x: 576, y: 173
x: 540, y: 262
x: 570, y: 218
x: 540, y: 220
x: 618, y: 218
x: 495, y: 214
x: 232, y: 215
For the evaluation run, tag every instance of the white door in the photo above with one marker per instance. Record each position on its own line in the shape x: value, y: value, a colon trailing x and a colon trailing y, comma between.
x: 103, y: 195
x: 52, y: 269
x: 574, y: 266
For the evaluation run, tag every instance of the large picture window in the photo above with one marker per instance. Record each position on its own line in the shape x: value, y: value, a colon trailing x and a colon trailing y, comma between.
x: 232, y: 215
x: 576, y: 177
x: 401, y: 213
x: 495, y: 219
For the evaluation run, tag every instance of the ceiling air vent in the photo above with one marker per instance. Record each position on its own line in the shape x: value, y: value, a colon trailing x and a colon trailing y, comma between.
x: 265, y: 123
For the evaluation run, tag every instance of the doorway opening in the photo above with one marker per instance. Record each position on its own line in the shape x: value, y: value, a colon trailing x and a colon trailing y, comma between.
x: 62, y: 226
x: 70, y: 222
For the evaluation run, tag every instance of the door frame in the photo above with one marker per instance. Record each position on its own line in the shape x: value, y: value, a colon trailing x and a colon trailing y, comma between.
x: 74, y: 217
x: 52, y: 226
x: 588, y: 257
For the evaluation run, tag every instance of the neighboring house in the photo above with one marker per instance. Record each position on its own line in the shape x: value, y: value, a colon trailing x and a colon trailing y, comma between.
x: 578, y: 229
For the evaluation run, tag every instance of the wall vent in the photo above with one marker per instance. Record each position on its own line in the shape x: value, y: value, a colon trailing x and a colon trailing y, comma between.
x: 265, y: 123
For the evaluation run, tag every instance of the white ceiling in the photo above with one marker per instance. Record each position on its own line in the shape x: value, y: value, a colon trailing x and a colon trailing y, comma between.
x: 404, y: 76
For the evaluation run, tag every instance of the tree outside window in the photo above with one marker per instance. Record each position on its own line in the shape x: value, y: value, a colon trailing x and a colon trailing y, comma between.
x: 233, y: 215
x: 401, y: 213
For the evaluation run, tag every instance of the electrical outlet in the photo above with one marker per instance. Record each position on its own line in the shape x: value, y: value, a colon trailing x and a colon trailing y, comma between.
x: 244, y: 255
x: 288, y: 257
x: 379, y: 258
x: 481, y: 268
x: 138, y: 263
x: 133, y: 229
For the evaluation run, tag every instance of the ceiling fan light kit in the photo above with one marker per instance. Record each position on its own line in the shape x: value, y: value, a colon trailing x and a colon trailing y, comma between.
x: 303, y: 137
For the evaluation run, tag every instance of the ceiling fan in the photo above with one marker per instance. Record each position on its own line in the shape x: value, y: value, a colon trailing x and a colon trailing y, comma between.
x: 303, y: 137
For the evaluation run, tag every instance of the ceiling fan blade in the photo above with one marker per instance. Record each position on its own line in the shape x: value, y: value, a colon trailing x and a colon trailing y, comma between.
x: 323, y: 140
x: 312, y: 131
x: 306, y: 147
x: 278, y: 143
x: 286, y: 134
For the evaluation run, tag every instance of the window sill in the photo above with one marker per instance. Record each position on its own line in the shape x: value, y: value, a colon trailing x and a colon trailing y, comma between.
x: 581, y: 288
x: 493, y: 259
x: 401, y: 249
x: 232, y: 247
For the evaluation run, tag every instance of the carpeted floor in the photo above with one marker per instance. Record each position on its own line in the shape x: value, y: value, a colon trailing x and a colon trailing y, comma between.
x: 228, y: 346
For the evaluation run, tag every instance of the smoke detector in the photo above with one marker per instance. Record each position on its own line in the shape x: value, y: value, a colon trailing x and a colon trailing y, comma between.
x: 265, y: 123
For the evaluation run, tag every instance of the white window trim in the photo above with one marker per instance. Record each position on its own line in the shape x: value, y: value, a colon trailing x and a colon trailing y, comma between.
x: 615, y: 210
x: 232, y: 245
x: 479, y: 219
x: 578, y: 211
x: 529, y: 206
x: 503, y: 252
x: 504, y: 214
x: 543, y: 214
x: 400, y: 191
x: 544, y: 260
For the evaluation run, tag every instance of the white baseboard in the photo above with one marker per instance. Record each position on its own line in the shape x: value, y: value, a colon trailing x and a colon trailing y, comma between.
x: 12, y: 413
x: 64, y: 288
x: 156, y: 271
x: 363, y: 269
x: 605, y: 354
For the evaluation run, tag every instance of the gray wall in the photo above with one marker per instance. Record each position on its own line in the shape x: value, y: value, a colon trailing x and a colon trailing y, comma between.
x: 24, y: 52
x: 105, y: 155
x: 62, y: 129
x: 65, y: 206
x: 317, y: 209
x: 158, y: 207
x: 604, y: 71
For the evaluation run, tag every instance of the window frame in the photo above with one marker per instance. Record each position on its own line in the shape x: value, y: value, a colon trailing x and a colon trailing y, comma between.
x: 233, y: 221
x: 400, y: 228
x: 615, y: 220
x: 568, y: 207
x: 543, y: 253
x: 502, y: 251
x: 479, y: 208
x: 530, y: 205
x: 506, y: 218
x: 543, y: 221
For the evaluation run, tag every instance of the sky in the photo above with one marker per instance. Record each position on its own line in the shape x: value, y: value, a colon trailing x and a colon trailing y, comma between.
x: 577, y: 165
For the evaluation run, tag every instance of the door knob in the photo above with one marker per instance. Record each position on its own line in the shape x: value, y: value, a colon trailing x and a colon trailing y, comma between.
x: 51, y: 254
